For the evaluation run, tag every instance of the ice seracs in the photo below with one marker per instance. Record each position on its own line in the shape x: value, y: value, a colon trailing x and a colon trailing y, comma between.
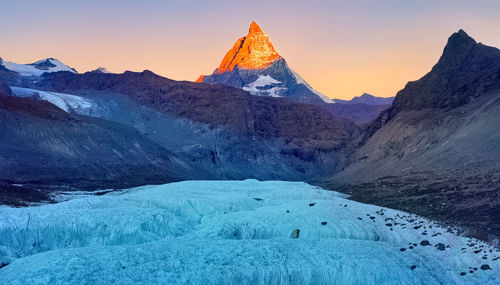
x: 37, y: 68
x: 232, y: 232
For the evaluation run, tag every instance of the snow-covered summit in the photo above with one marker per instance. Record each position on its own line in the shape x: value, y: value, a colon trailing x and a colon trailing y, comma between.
x: 253, y: 56
x: 37, y: 68
x: 100, y: 70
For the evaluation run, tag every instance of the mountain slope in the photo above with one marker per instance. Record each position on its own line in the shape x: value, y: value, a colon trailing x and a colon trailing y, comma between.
x: 254, y: 65
x: 227, y: 132
x: 42, y: 145
x: 212, y: 104
x: 436, y: 151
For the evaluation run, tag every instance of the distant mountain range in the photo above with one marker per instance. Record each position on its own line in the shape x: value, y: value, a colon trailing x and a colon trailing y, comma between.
x: 367, y: 99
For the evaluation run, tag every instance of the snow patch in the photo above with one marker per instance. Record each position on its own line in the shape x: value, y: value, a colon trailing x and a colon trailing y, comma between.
x: 231, y: 232
x: 101, y: 70
x: 262, y: 81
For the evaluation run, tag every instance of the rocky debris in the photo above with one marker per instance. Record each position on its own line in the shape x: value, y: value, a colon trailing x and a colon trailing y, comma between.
x: 402, y: 249
x: 425, y: 243
x: 485, y: 267
x: 440, y: 246
x: 295, y: 233
x: 257, y: 199
x: 324, y: 223
x: 3, y: 264
x: 312, y: 204
x: 413, y: 267
x: 462, y: 273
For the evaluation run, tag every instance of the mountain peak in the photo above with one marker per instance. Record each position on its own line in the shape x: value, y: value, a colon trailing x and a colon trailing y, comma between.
x: 460, y: 38
x: 458, y: 46
x: 255, y: 28
x: 255, y: 51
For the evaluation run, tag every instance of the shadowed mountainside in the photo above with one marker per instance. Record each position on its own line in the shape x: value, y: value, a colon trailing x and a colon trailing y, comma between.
x: 436, y: 151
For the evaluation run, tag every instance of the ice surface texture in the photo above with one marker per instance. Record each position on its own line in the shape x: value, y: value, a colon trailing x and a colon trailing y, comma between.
x: 231, y: 232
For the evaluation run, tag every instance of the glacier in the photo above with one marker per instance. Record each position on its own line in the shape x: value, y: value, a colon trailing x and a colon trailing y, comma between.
x: 233, y: 232
x: 67, y: 102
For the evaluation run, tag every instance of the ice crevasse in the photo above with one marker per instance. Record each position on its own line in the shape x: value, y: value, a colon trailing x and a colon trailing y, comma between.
x: 233, y: 232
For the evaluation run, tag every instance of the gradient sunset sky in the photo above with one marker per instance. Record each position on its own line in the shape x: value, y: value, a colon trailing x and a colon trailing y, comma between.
x: 342, y: 48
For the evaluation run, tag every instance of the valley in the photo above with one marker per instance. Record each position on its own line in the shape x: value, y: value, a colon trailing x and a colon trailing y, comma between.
x: 249, y: 175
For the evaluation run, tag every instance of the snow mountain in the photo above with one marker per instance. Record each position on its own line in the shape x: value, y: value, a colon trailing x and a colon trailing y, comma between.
x: 255, y: 66
x: 36, y: 68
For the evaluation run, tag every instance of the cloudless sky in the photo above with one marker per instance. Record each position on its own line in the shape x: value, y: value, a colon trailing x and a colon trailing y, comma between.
x: 342, y: 48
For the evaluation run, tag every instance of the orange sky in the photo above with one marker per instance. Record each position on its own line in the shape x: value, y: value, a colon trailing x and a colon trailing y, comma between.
x: 341, y: 49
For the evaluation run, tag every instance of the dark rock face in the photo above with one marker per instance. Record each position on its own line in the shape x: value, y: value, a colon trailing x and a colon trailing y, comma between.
x: 465, y: 71
x: 217, y: 105
x: 435, y: 151
x: 44, y: 65
x: 4, y: 88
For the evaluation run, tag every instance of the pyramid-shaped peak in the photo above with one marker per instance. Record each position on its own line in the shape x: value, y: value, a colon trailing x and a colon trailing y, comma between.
x: 255, y: 51
x: 255, y: 28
